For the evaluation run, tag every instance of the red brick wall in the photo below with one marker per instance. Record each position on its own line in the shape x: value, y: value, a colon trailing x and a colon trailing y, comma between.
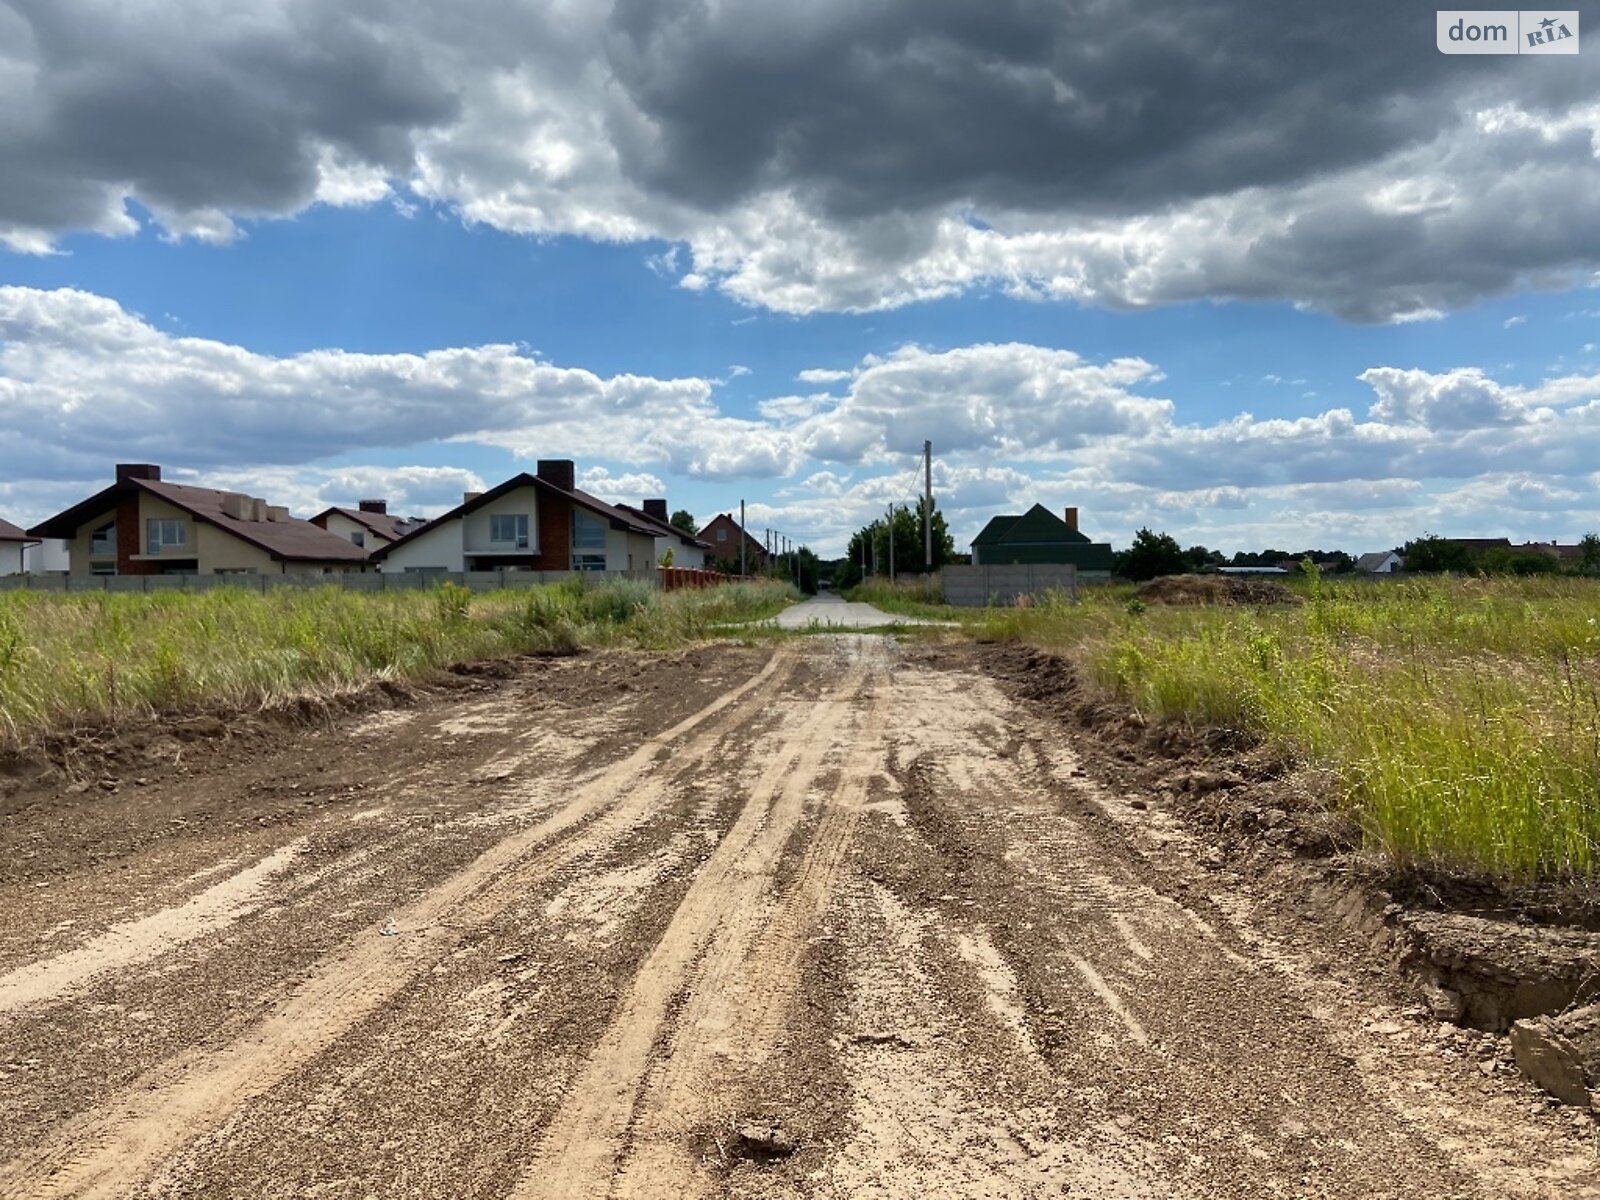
x: 555, y: 533
x: 130, y: 539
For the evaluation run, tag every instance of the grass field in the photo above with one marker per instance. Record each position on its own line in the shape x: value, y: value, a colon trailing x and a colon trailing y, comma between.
x: 1460, y: 717
x: 65, y: 659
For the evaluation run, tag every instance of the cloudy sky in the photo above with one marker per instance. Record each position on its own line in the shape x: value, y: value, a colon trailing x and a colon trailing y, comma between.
x: 1252, y: 274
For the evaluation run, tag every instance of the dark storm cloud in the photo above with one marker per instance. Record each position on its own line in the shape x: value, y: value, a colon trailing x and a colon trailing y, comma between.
x: 840, y: 154
x: 193, y: 108
x: 905, y: 104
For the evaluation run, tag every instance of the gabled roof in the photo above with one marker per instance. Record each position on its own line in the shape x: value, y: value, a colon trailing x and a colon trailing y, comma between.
x: 386, y: 525
x: 12, y: 533
x: 991, y: 532
x: 1374, y: 560
x: 1036, y: 526
x: 291, y: 539
x: 617, y: 518
x: 750, y: 538
x: 664, y: 528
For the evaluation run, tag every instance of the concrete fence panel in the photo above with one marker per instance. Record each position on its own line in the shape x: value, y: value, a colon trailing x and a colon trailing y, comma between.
x: 981, y: 586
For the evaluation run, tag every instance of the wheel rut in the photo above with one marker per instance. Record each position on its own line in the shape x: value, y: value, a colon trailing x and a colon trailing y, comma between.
x: 106, y: 1151
x: 726, y: 962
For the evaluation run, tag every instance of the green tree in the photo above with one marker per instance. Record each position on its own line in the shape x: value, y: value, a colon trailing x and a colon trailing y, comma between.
x: 684, y: 519
x: 909, y: 550
x: 1589, y: 564
x: 1198, y: 558
x: 1431, y: 554
x: 1151, y: 554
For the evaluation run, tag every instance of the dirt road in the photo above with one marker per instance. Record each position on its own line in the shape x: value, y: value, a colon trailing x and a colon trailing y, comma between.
x: 832, y: 920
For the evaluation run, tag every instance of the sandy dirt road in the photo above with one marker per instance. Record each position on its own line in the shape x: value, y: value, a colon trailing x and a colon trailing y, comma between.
x: 830, y: 919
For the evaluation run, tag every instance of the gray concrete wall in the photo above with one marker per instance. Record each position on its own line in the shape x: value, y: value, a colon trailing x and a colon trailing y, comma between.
x: 978, y: 586
x: 478, y: 581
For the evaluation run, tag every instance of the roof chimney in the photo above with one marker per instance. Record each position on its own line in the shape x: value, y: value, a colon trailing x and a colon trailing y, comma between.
x: 1071, y: 518
x: 381, y: 507
x: 656, y: 509
x: 559, y: 472
x: 150, y: 471
x: 469, y: 497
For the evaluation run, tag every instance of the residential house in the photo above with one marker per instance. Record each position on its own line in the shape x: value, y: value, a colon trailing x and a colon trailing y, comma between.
x: 1039, y: 536
x: 368, y: 525
x: 687, y: 549
x: 538, y: 522
x: 1380, y: 562
x: 48, y: 556
x: 1566, y: 553
x: 722, y: 534
x: 14, y: 544
x: 141, y: 525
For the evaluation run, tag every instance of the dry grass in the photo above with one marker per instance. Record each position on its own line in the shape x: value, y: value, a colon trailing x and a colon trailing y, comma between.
x: 68, y: 658
x: 1461, y: 718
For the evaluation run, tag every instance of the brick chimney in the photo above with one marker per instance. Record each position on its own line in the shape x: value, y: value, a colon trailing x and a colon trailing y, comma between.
x: 559, y: 472
x: 381, y: 507
x: 656, y: 509
x: 1071, y: 518
x: 150, y: 471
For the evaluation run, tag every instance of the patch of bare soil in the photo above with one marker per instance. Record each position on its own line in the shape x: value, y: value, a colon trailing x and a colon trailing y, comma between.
x: 842, y: 919
x: 1216, y: 589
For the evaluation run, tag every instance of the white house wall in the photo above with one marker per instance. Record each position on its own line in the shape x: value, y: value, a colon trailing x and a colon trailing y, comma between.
x: 629, y: 551
x: 437, y: 549
x: 342, y: 526
x: 10, y: 558
x: 682, y: 556
x: 51, y: 554
x: 522, y: 502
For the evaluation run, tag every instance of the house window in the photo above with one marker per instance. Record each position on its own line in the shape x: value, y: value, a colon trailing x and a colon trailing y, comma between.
x: 722, y: 535
x: 104, y: 539
x: 509, y: 529
x: 162, y: 533
x: 588, y: 562
x: 358, y: 538
x: 588, y: 532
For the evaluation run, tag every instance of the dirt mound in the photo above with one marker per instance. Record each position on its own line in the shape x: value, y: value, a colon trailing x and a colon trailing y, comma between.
x: 1215, y: 589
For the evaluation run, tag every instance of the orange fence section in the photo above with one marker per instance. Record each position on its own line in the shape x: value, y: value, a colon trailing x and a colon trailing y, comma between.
x: 673, y: 578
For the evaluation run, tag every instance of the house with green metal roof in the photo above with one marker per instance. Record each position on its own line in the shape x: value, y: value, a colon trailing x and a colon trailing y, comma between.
x: 1039, y: 536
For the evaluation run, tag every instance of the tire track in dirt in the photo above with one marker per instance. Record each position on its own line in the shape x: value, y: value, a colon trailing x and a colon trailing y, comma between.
x: 586, y: 1142
x: 106, y: 1150
x: 738, y: 1000
x: 139, y: 941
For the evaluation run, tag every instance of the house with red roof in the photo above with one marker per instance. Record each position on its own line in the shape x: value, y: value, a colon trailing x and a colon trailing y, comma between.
x: 537, y: 522
x: 143, y: 525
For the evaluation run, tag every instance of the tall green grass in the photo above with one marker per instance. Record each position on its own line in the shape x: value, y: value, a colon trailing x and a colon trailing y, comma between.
x: 1461, y: 718
x: 68, y: 658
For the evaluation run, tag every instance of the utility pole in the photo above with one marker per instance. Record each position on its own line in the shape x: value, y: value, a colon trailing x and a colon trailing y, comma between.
x: 927, y: 515
x: 744, y: 540
x: 891, y: 544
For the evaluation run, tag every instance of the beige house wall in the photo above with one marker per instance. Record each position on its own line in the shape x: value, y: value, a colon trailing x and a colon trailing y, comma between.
x: 342, y: 526
x: 221, y: 551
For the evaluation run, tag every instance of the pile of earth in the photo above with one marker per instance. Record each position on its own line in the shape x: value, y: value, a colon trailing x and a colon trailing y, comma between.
x: 1216, y: 589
